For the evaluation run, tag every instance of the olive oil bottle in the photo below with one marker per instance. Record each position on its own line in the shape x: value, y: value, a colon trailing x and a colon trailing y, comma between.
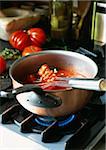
x: 60, y: 20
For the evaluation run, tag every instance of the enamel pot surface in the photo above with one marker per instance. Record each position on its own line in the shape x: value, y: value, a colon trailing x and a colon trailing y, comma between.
x: 72, y: 99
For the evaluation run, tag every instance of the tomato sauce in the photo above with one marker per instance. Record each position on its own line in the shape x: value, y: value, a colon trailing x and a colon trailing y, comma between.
x: 47, y: 75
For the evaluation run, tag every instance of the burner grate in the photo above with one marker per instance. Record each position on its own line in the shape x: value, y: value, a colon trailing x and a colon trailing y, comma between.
x: 27, y: 123
x: 82, y: 122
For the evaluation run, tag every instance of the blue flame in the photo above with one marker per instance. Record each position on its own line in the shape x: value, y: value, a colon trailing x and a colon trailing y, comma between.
x: 59, y: 123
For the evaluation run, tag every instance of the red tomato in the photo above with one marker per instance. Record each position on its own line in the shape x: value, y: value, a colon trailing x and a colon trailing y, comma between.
x: 37, y: 36
x: 19, y: 40
x: 31, y: 49
x: 2, y: 65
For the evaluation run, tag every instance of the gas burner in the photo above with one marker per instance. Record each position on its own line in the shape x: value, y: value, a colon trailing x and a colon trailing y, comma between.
x: 46, y: 126
x: 61, y: 121
x: 57, y: 127
x: 65, y: 125
x: 74, y: 126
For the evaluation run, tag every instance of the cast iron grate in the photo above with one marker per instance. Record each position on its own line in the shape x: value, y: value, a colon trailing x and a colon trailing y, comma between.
x: 26, y: 122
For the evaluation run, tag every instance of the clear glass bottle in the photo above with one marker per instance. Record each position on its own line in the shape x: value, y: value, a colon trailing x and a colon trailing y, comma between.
x: 60, y: 18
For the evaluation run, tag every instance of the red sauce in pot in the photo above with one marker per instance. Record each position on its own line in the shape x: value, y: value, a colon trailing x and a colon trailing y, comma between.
x: 47, y: 75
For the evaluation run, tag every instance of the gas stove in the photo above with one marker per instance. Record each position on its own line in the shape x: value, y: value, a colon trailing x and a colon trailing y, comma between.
x: 21, y: 129
x: 51, y: 133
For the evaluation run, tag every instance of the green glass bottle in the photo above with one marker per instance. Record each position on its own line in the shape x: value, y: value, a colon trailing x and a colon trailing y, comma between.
x: 60, y: 19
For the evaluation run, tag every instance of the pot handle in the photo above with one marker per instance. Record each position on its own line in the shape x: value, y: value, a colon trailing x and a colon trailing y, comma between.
x: 43, y: 99
x: 89, y: 84
x: 26, y: 88
x: 102, y: 85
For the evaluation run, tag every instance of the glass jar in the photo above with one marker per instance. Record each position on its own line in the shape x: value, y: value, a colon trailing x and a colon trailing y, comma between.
x: 60, y: 18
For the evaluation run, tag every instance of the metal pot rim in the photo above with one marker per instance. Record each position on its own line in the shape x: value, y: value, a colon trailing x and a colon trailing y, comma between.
x: 68, y: 53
